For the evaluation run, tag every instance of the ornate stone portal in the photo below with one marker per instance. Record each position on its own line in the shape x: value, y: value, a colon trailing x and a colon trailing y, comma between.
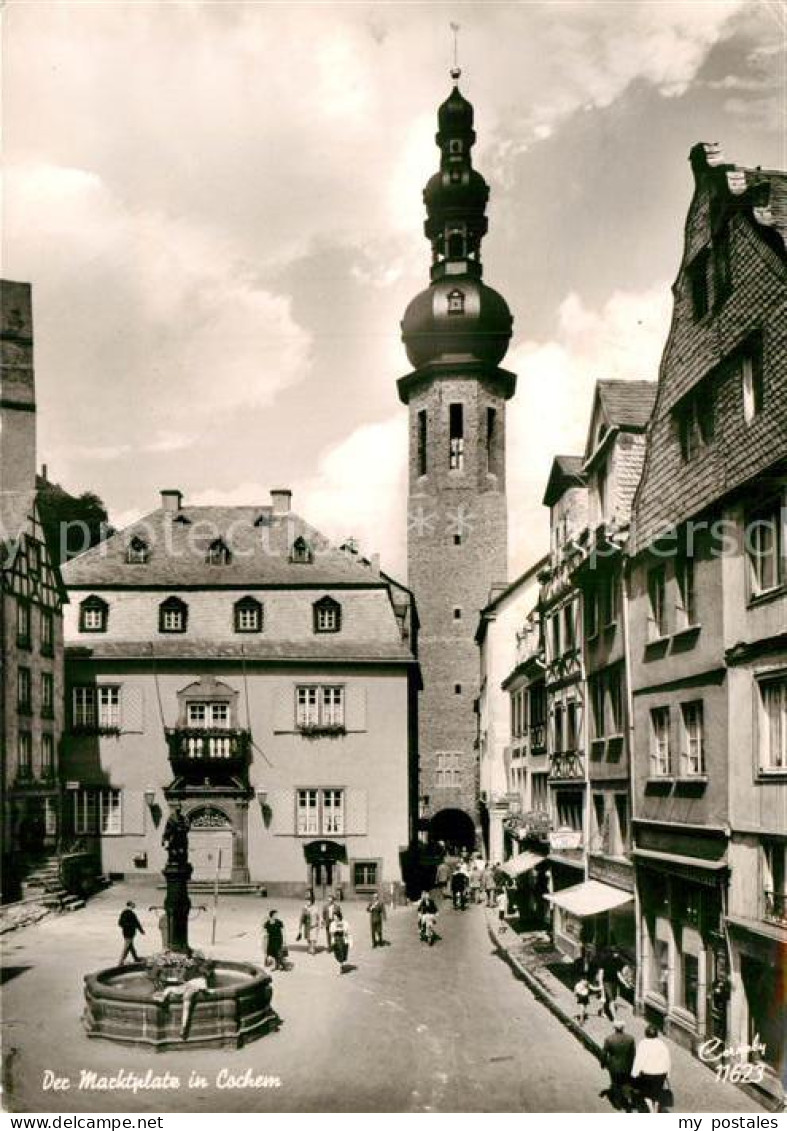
x: 179, y: 998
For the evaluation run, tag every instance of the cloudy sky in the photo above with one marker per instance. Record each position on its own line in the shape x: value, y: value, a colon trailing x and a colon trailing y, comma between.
x: 219, y: 208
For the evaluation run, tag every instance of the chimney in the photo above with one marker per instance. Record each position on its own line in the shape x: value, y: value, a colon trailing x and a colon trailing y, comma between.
x: 281, y: 498
x: 171, y: 500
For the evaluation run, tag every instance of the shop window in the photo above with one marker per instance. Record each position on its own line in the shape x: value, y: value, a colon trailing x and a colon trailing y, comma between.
x: 691, y: 979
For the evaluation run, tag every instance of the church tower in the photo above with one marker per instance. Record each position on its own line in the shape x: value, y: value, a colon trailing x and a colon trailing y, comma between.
x: 456, y: 333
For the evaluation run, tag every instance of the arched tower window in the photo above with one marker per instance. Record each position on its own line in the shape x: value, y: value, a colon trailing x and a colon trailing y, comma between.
x: 456, y: 425
x: 456, y: 245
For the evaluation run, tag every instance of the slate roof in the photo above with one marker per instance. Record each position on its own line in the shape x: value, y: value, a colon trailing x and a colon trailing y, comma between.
x: 627, y: 404
x: 259, y: 541
x: 318, y: 649
x: 566, y: 471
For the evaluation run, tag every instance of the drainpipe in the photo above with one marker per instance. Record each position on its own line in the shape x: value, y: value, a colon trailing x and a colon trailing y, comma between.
x: 624, y: 575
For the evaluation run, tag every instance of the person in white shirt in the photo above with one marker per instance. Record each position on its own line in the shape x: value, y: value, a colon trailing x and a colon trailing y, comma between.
x: 651, y: 1067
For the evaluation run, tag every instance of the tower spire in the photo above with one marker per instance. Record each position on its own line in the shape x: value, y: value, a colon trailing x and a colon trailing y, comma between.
x: 456, y: 70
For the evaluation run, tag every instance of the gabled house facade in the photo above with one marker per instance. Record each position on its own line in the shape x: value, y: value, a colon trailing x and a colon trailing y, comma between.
x: 708, y: 618
x: 230, y: 660
x: 613, y: 459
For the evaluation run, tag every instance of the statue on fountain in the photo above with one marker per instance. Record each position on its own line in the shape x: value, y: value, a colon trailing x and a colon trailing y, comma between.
x: 176, y: 837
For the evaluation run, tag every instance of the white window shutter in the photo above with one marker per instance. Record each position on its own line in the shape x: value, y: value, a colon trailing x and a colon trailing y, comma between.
x: 284, y: 708
x: 356, y: 819
x: 355, y: 718
x: 132, y: 812
x: 132, y: 710
x: 281, y: 803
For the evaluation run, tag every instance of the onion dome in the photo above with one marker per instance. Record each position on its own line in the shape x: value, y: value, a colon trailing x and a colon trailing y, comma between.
x: 455, y: 116
x: 456, y: 320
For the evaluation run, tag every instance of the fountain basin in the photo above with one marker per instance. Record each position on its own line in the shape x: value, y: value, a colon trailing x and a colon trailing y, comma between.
x: 121, y: 1005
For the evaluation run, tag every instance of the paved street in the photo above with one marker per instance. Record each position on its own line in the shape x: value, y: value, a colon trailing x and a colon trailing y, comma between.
x: 409, y: 1029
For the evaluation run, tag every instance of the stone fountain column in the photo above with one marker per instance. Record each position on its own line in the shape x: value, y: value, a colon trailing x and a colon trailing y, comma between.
x: 177, y: 873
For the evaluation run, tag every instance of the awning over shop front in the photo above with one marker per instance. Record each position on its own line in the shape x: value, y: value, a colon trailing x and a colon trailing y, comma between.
x: 590, y: 898
x: 524, y: 862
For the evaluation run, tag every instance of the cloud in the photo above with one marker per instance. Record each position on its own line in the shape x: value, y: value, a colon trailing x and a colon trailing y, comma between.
x: 359, y: 487
x: 146, y: 325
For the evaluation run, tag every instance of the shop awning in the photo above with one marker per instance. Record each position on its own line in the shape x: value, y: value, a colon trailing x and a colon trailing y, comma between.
x: 521, y: 863
x: 590, y: 898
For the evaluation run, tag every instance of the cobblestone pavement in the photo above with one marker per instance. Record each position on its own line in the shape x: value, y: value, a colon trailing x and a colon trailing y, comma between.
x: 408, y: 1029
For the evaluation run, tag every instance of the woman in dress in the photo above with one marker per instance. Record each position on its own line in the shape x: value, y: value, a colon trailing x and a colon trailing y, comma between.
x: 340, y: 938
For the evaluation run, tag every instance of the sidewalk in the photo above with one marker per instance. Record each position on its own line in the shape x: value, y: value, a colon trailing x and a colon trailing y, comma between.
x: 535, y: 962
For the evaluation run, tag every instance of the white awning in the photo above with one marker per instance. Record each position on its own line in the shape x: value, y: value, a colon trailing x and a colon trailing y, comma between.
x: 521, y: 863
x: 590, y: 898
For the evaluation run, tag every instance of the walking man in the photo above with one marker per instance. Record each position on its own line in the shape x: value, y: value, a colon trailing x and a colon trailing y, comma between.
x: 651, y: 1068
x: 309, y: 924
x: 610, y: 971
x: 376, y: 911
x: 129, y: 925
x: 618, y: 1058
x: 329, y: 909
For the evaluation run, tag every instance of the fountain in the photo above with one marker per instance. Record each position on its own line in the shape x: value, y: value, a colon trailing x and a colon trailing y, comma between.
x: 179, y: 998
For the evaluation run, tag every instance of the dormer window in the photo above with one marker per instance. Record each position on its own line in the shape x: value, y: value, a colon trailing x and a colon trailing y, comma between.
x: 263, y: 519
x: 327, y: 615
x: 173, y: 615
x: 182, y: 520
x: 248, y: 615
x: 301, y: 551
x: 456, y: 301
x: 93, y: 615
x: 137, y: 551
x: 219, y: 553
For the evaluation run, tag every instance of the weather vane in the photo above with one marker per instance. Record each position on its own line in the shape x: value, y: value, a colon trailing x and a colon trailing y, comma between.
x: 456, y: 70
